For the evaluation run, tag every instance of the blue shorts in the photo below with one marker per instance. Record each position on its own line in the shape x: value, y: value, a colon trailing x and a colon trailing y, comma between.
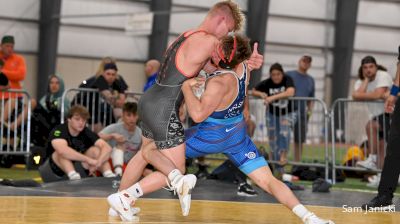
x: 227, y: 136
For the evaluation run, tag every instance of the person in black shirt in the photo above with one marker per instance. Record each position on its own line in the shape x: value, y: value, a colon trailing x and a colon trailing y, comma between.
x: 73, y: 141
x: 100, y: 108
x: 112, y: 92
x: 275, y: 91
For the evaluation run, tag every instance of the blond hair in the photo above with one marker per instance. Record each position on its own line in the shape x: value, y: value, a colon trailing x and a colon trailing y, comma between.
x: 105, y: 60
x: 231, y: 8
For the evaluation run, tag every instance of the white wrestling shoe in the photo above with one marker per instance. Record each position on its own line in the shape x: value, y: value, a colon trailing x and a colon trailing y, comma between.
x: 311, y: 218
x: 183, y: 187
x: 113, y: 213
x: 121, y: 203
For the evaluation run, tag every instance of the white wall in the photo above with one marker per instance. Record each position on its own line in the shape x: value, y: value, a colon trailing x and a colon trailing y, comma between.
x: 377, y: 34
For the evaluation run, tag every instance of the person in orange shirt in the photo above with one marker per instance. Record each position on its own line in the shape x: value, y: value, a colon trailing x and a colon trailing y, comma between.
x: 14, y: 64
x: 14, y: 69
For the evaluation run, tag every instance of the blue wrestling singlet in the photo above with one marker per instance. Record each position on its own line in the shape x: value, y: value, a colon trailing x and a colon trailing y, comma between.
x: 225, y: 132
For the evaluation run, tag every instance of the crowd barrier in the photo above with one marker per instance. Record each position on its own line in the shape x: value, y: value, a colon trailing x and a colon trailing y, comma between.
x: 101, y: 113
x: 350, y: 122
x: 14, y: 129
x: 316, y: 143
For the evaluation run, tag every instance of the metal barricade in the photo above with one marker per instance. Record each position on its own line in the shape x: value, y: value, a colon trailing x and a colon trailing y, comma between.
x: 15, y: 122
x: 100, y: 111
x: 316, y: 146
x: 350, y: 122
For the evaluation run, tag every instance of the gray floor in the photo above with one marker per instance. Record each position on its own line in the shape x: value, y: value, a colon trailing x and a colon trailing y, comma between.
x: 205, y: 190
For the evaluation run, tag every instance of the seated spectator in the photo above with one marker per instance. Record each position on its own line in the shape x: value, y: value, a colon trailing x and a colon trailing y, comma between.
x: 151, y: 70
x: 125, y: 137
x: 373, y: 84
x: 73, y: 142
x: 275, y: 91
x: 48, y: 112
x: 14, y: 68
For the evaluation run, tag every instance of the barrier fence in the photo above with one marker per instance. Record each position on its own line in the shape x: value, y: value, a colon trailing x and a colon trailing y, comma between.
x: 296, y: 128
x: 15, y: 122
x: 359, y: 131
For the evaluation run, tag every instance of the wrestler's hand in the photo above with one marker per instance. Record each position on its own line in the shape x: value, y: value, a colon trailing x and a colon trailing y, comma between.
x: 195, y: 82
x: 389, y: 104
x: 256, y: 60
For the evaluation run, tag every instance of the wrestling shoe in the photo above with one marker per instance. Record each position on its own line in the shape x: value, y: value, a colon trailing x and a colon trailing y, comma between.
x: 246, y: 190
x: 121, y: 203
x: 183, y: 187
x: 311, y: 218
x: 113, y: 213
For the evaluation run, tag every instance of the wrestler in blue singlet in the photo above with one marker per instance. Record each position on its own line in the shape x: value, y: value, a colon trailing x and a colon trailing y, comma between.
x: 224, y: 132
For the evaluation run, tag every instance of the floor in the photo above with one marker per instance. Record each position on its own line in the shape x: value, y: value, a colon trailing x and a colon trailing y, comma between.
x: 213, y: 202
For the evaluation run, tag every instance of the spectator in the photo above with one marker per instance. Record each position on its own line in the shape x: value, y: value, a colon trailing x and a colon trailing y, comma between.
x: 4, y: 83
x: 112, y: 96
x: 391, y: 169
x: 305, y: 87
x: 125, y: 137
x: 373, y: 84
x: 151, y: 70
x: 14, y: 69
x: 74, y: 142
x: 86, y: 99
x: 48, y: 113
x: 14, y: 64
x: 51, y: 102
x: 87, y: 83
x: 275, y: 91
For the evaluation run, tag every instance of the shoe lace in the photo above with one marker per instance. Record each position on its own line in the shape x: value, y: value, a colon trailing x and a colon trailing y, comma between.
x: 169, y: 187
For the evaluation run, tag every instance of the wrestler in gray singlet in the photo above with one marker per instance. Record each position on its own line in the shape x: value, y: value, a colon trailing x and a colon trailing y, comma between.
x: 159, y: 106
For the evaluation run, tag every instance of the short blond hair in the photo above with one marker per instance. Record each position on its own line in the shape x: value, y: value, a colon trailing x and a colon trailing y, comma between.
x: 231, y: 8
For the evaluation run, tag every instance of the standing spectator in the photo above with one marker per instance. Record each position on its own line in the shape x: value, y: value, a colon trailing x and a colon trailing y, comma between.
x: 125, y: 137
x: 151, y: 70
x: 373, y: 85
x: 305, y: 87
x: 74, y: 142
x: 391, y: 167
x: 275, y: 91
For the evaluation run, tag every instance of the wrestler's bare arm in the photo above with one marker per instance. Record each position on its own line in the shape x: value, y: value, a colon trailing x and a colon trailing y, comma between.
x: 195, y: 52
x: 200, y: 109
